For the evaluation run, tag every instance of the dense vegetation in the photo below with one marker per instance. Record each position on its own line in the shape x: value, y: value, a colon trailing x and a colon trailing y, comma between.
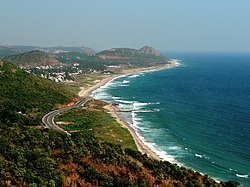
x: 33, y: 157
x: 25, y: 98
x: 42, y: 157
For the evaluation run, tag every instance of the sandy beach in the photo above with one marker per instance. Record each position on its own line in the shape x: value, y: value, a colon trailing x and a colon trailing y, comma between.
x: 143, y: 148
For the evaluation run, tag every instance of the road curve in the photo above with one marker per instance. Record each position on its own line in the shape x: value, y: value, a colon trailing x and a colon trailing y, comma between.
x: 48, y: 119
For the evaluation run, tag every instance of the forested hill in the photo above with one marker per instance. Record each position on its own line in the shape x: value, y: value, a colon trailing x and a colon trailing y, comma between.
x: 33, y: 59
x: 25, y: 98
x: 127, y: 57
x: 128, y: 52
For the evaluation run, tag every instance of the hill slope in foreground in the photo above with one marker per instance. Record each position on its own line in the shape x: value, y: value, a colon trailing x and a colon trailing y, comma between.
x: 25, y: 98
x: 42, y: 157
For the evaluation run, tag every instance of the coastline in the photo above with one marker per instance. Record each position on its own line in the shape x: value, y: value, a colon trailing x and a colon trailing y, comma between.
x: 142, y: 147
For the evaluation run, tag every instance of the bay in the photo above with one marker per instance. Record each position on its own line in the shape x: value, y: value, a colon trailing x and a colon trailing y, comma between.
x: 196, y: 115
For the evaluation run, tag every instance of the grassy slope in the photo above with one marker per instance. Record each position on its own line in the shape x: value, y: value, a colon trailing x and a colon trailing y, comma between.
x: 95, y: 118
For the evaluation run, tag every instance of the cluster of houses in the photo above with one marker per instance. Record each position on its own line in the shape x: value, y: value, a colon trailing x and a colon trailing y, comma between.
x: 56, y: 74
x: 59, y: 73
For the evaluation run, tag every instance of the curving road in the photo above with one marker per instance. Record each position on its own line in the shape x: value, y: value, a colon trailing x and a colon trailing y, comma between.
x: 48, y: 119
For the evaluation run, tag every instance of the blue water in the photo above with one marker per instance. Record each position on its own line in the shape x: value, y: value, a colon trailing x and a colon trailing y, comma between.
x: 196, y: 115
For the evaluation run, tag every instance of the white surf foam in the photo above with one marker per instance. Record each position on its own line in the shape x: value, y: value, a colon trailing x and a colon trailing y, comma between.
x: 115, y: 98
x: 198, y: 155
x: 124, y: 85
x: 101, y: 95
x: 136, y: 125
x: 162, y: 154
x: 241, y: 176
x: 125, y: 81
x: 174, y: 148
x: 109, y: 85
x: 118, y: 77
x: 126, y: 106
x: 138, y: 105
x: 133, y: 76
x: 124, y: 101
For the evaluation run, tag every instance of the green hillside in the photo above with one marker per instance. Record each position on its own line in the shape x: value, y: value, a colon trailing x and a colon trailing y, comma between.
x: 32, y: 59
x: 25, y: 98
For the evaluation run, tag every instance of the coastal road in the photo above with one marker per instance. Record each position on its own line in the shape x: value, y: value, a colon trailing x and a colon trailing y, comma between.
x: 48, y: 119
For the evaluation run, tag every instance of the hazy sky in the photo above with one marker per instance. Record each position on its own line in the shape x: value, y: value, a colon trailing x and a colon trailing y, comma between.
x: 175, y: 25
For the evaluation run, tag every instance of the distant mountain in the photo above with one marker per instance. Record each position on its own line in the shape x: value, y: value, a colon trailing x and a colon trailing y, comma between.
x: 32, y: 59
x: 11, y: 50
x: 144, y: 57
x: 127, y: 57
x: 85, y: 50
x: 7, y: 51
x: 25, y: 97
x: 59, y: 49
x: 144, y: 51
x: 147, y: 50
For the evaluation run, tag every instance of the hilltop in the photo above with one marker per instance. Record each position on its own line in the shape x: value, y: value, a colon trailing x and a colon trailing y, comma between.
x: 128, y: 52
x: 132, y: 58
x: 64, y: 49
x: 145, y: 53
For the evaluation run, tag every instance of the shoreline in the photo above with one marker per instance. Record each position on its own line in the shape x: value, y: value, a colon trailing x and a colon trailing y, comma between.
x: 141, y: 146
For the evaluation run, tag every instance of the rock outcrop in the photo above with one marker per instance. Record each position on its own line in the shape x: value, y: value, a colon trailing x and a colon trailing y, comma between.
x: 149, y: 51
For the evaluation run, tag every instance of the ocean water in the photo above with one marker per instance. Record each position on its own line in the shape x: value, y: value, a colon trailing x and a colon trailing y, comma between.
x: 196, y: 115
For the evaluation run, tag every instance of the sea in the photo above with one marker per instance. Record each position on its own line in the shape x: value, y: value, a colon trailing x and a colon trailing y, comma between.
x: 196, y: 115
